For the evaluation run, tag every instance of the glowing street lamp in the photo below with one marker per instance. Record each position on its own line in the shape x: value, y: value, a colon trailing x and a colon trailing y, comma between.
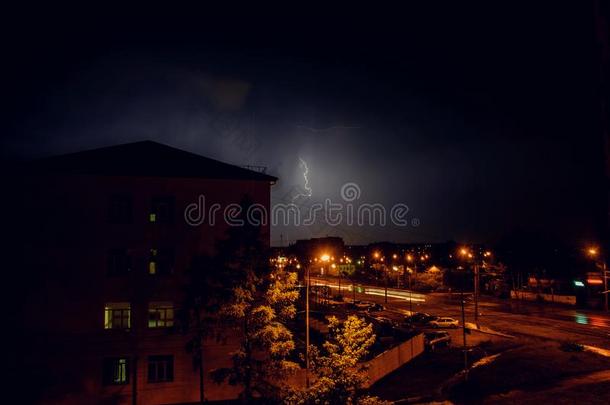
x: 325, y: 257
x: 594, y: 253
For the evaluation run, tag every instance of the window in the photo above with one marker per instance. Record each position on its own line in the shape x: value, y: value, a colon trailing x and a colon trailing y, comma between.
x: 117, y: 315
x: 120, y: 209
x: 160, y: 368
x: 160, y: 315
x: 161, y: 262
x: 162, y: 210
x: 119, y: 262
x: 116, y: 371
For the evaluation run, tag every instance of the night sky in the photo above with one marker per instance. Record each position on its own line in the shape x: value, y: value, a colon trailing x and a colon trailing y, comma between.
x: 480, y: 118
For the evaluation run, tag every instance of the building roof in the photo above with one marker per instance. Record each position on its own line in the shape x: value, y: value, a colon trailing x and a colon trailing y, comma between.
x: 147, y: 159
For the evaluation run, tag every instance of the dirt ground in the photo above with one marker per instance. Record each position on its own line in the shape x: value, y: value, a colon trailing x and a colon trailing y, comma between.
x: 525, y: 371
x: 538, y: 370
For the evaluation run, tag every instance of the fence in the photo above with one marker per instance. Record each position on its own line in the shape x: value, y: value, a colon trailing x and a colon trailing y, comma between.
x: 532, y: 296
x: 392, y: 359
x: 381, y: 365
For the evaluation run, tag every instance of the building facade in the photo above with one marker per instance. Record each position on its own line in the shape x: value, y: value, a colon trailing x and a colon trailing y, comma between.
x: 106, y: 237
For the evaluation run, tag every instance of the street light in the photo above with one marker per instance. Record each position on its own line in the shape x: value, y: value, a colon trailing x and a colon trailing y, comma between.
x: 594, y: 253
x: 307, y: 282
x: 465, y: 253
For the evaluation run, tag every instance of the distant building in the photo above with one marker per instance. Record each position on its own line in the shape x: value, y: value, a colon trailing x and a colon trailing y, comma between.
x: 105, y: 245
x: 307, y: 249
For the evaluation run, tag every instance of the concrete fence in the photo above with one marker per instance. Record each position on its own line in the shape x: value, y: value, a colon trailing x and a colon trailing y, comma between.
x: 392, y: 359
x: 533, y: 296
x: 381, y: 365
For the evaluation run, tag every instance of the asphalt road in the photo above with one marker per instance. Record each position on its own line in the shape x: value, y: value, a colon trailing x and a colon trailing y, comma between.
x: 507, y: 316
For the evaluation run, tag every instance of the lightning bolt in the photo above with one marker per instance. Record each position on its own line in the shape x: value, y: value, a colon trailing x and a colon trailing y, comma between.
x: 308, y: 190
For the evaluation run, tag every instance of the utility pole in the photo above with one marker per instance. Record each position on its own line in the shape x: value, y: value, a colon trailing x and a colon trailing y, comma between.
x: 410, y: 303
x: 307, y: 328
x: 386, y: 283
x: 464, y: 336
x: 339, y: 281
x: 476, y: 293
x: 605, y: 278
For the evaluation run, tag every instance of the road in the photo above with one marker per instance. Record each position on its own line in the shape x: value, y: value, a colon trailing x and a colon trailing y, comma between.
x: 514, y: 318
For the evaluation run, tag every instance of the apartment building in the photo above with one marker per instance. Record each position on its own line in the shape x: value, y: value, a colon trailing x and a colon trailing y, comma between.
x: 105, y: 237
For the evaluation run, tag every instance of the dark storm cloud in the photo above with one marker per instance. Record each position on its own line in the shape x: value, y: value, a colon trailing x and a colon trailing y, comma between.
x: 477, y: 118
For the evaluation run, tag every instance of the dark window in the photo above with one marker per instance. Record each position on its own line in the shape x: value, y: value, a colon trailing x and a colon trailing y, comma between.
x: 120, y: 209
x: 119, y: 262
x: 162, y: 210
x: 161, y: 262
x: 160, y: 368
x: 116, y: 371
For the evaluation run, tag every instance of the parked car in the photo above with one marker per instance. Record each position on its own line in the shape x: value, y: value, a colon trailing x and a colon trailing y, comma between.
x: 444, y: 322
x: 420, y: 318
x: 404, y: 332
x: 357, y: 304
x: 375, y: 307
x: 437, y: 338
x: 383, y: 326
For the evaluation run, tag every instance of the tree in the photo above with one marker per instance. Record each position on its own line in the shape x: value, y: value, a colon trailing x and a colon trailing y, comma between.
x: 197, y: 318
x: 427, y: 281
x: 239, y: 260
x: 339, y: 375
x: 266, y: 342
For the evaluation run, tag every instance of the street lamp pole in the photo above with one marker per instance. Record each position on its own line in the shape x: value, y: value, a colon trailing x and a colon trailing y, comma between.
x: 595, y: 254
x: 386, y: 283
x: 464, y: 336
x: 476, y: 293
x: 339, y: 282
x: 307, y: 281
x: 605, y: 278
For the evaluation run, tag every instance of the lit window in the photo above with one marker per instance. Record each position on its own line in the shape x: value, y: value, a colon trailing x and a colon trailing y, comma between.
x: 160, y: 368
x: 161, y: 261
x: 117, y: 315
x: 116, y: 371
x: 160, y: 315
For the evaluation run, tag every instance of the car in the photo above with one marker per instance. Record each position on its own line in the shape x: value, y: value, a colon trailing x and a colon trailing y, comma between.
x: 375, y: 307
x: 420, y: 318
x: 444, y: 322
x: 437, y: 338
x: 383, y: 326
x: 402, y: 332
x: 360, y: 305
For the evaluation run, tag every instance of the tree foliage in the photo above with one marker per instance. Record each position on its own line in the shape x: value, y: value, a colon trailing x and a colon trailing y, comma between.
x: 219, y: 283
x: 338, y: 373
x: 266, y: 343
